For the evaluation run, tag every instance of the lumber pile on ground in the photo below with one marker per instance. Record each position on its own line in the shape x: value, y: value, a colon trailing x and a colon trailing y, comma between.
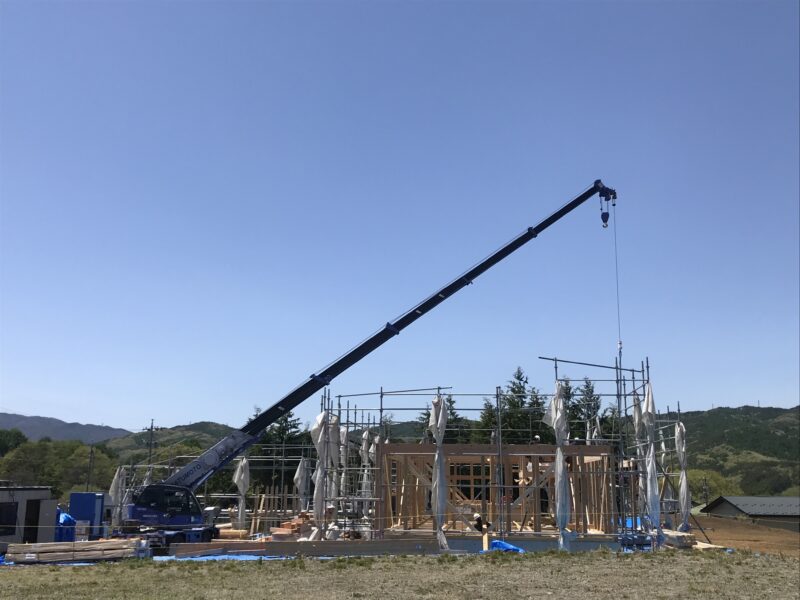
x: 77, y: 551
x: 428, y: 545
x: 299, y: 526
x: 233, y: 534
x: 679, y: 539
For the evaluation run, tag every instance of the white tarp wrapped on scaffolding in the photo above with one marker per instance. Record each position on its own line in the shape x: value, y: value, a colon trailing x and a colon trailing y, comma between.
x: 344, y: 450
x: 640, y: 440
x: 556, y: 418
x: 365, y: 489
x: 685, y: 499
x: 325, y: 437
x: 301, y: 482
x: 437, y: 426
x: 117, y: 492
x: 241, y: 477
x: 653, y: 499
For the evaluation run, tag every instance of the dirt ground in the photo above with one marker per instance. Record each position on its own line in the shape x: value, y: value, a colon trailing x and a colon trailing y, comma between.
x: 733, y: 533
x: 601, y: 575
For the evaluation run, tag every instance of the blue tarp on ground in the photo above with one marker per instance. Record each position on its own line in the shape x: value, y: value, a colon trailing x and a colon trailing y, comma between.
x: 243, y: 557
x: 499, y: 545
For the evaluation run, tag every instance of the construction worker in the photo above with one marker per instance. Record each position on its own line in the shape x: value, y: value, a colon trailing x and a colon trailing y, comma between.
x: 479, y: 524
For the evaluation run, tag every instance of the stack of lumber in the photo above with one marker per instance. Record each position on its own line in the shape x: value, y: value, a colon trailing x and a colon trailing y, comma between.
x: 76, y: 551
x: 298, y: 526
x: 233, y: 534
x: 678, y: 539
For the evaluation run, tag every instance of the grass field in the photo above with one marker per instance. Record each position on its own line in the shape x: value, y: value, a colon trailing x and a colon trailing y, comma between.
x: 602, y: 574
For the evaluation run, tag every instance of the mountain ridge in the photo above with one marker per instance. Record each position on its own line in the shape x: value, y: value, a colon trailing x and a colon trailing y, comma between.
x: 35, y: 428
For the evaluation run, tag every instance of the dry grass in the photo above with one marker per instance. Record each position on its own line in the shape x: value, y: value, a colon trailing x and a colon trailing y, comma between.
x: 544, y: 575
x: 743, y: 535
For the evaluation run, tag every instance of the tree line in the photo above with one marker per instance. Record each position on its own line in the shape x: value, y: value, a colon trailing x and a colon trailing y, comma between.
x: 520, y: 408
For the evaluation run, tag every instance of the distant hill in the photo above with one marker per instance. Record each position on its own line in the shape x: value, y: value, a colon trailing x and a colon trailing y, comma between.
x: 36, y: 428
x: 134, y: 447
x: 773, y: 432
x: 746, y: 450
x: 756, y: 450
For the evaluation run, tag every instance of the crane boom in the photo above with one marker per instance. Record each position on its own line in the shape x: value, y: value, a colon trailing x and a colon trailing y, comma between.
x: 200, y: 469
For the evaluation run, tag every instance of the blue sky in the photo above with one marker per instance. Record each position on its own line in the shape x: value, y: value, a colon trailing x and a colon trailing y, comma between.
x: 203, y: 203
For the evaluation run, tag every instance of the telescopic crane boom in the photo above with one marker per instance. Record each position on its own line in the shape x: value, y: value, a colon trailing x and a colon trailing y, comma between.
x: 200, y: 469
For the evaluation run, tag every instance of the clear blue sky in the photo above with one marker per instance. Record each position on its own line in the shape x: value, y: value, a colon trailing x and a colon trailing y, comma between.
x: 203, y: 203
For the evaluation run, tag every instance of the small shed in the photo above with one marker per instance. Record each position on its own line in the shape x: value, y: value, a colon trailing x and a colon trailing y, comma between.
x: 771, y: 511
x: 27, y: 514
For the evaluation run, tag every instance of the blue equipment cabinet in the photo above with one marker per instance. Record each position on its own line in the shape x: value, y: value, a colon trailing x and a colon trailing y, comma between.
x: 88, y: 506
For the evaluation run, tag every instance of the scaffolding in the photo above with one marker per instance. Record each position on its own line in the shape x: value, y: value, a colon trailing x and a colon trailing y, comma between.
x: 371, y: 480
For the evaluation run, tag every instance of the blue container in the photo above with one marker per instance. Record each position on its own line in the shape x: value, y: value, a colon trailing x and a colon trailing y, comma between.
x: 88, y: 506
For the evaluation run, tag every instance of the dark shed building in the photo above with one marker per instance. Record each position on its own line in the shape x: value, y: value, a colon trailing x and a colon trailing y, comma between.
x: 771, y: 511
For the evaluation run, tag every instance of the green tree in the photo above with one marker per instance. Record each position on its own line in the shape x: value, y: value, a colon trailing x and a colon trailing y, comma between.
x: 714, y: 482
x: 521, y: 408
x: 458, y: 430
x: 587, y: 407
x: 424, y: 420
x: 536, y: 409
x: 86, y: 465
x: 283, y: 431
x: 487, y: 423
x: 572, y: 407
x: 517, y: 422
x: 10, y: 439
x: 62, y: 465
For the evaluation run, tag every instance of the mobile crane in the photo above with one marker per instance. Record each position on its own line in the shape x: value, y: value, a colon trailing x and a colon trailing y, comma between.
x: 170, y: 506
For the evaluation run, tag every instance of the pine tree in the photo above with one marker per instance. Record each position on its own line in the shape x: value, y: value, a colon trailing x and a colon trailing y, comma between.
x: 516, y: 420
x: 536, y: 408
x: 572, y: 408
x: 424, y: 420
x: 458, y: 431
x: 487, y: 423
x: 589, y: 407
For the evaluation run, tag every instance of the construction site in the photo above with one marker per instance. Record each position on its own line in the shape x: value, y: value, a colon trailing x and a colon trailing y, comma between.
x: 616, y: 482
x: 605, y: 469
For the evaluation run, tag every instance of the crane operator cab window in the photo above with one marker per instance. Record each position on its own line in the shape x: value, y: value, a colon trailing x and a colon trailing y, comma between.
x: 170, y: 500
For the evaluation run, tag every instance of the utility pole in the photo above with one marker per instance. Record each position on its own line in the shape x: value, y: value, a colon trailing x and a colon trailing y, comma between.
x: 150, y: 445
x: 91, y: 466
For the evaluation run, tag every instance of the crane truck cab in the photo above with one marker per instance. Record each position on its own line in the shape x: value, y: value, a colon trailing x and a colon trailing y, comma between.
x: 168, y: 513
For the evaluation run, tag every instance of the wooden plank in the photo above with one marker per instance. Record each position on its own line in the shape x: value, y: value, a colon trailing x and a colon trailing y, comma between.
x: 508, y: 480
x: 678, y: 539
x: 72, y: 546
x: 89, y: 555
x: 537, y: 496
x: 464, y: 450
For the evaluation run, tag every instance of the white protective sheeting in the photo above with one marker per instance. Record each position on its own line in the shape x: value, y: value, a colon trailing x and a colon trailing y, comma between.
x: 684, y: 497
x: 343, y: 455
x: 653, y: 499
x: 117, y: 493
x: 325, y: 436
x: 318, y: 439
x: 148, y: 477
x: 437, y: 426
x: 241, y: 477
x: 365, y: 490
x: 301, y: 482
x: 641, y: 452
x: 556, y: 417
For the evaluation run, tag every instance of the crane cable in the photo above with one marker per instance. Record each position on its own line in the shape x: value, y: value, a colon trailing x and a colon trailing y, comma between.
x: 616, y: 273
